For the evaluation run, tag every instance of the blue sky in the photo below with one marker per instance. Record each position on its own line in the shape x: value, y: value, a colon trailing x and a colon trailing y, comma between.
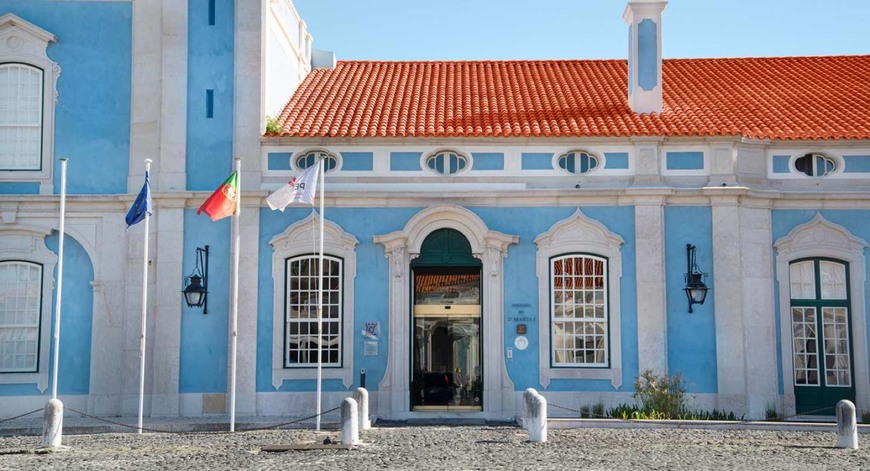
x: 580, y: 29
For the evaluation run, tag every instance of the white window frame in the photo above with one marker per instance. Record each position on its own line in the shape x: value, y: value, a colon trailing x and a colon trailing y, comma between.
x: 579, y: 234
x: 301, y: 238
x: 424, y: 162
x: 24, y: 43
x: 839, y: 164
x: 319, y: 153
x: 820, y: 238
x: 599, y: 159
x: 313, y: 261
x: 27, y: 244
x: 581, y: 320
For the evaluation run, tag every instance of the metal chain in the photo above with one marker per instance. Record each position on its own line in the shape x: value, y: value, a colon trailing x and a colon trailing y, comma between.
x: 134, y: 427
x: 19, y: 416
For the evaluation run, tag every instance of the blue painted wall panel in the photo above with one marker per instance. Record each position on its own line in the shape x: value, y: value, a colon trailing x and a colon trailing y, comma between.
x: 783, y: 221
x: 685, y: 160
x: 19, y: 188
x: 691, y: 337
x: 616, y: 160
x: 537, y: 161
x: 488, y: 161
x: 405, y: 161
x: 520, y: 286
x: 203, y: 363
x: 647, y: 55
x: 279, y: 160
x: 92, y: 123
x: 780, y: 164
x: 857, y: 163
x: 77, y: 306
x: 209, y: 67
x: 357, y: 161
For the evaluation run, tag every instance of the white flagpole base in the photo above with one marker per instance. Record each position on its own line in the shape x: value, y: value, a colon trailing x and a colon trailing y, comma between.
x: 52, y: 425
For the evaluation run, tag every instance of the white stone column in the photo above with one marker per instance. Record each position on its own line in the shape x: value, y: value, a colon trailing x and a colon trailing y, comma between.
x: 158, y: 128
x: 164, y: 336
x: 652, y: 319
x: 728, y: 301
x: 393, y: 391
x: 172, y: 160
x: 502, y: 400
x: 759, y: 317
x: 246, y: 366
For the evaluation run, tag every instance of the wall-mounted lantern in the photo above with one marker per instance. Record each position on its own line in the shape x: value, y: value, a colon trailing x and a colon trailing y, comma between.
x: 196, y: 285
x: 696, y: 289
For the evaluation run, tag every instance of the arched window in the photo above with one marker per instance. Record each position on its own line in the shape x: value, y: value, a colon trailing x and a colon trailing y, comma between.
x: 20, y: 312
x: 578, y: 161
x: 28, y: 97
x: 447, y: 162
x: 300, y: 317
x: 20, y: 117
x: 578, y: 310
x: 310, y: 158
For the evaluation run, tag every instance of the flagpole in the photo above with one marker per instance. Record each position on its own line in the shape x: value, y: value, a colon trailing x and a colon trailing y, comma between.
x: 320, y: 297
x: 144, y: 311
x: 235, y: 297
x: 63, y: 161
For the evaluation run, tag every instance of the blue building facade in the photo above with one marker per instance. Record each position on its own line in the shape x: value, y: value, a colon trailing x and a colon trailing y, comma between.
x: 459, y: 270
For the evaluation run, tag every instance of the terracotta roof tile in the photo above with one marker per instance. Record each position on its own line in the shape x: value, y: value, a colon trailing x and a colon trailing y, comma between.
x: 774, y: 98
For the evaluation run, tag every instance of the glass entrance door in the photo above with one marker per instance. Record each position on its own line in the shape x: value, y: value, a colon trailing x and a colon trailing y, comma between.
x: 446, y: 343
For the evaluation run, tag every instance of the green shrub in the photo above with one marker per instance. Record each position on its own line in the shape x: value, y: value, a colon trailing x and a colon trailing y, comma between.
x: 622, y: 411
x: 584, y: 412
x: 272, y: 125
x: 771, y: 414
x: 598, y: 411
x: 660, y: 395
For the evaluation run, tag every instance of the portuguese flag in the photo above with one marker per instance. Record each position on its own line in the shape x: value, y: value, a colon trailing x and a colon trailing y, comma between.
x: 224, y: 201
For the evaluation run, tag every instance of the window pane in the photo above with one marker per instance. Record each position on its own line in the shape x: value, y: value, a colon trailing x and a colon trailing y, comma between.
x: 579, y: 324
x: 302, y: 309
x: 20, y: 291
x: 804, y: 345
x: 833, y: 280
x: 836, y: 346
x: 802, y: 278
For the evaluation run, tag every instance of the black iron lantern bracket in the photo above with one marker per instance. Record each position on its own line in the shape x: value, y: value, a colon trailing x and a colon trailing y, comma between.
x: 696, y: 289
x: 196, y: 285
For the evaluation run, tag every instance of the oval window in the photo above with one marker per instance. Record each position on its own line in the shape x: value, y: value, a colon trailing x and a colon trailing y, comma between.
x: 447, y: 162
x: 310, y: 158
x: 578, y: 162
x: 815, y: 165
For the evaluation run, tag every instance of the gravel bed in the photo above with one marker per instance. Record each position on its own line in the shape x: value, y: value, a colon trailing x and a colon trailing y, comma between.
x: 444, y: 448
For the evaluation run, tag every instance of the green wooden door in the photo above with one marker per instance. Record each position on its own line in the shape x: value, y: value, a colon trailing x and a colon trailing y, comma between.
x: 821, y: 335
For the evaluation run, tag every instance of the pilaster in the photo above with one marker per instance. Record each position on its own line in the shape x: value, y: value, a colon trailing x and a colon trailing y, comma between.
x: 649, y: 224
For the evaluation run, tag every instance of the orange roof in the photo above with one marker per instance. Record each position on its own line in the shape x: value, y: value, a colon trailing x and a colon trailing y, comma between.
x: 775, y: 98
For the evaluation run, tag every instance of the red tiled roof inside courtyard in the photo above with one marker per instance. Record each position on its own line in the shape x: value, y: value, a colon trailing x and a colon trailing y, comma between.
x: 773, y: 98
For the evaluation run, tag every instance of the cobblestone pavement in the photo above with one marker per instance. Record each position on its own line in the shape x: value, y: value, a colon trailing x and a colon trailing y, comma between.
x: 445, y: 448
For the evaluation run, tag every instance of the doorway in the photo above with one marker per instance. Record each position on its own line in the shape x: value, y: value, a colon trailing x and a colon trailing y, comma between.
x: 447, y: 371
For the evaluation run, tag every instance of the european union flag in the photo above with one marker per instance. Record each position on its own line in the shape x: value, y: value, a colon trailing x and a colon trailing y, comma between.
x: 141, y: 206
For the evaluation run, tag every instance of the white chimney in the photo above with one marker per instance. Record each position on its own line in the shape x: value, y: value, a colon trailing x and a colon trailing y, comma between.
x: 644, y: 18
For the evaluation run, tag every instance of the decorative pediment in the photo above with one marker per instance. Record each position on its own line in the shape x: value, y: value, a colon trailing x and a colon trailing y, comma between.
x: 305, y: 234
x: 579, y: 227
x: 20, y: 37
x: 820, y: 235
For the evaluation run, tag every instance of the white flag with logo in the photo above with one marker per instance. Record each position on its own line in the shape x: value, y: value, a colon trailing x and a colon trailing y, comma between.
x: 300, y: 189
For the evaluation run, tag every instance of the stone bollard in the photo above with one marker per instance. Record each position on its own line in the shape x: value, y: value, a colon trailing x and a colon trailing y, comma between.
x: 847, y: 426
x: 349, y: 422
x: 52, y: 424
x: 361, y: 396
x: 526, y: 401
x: 537, y: 407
